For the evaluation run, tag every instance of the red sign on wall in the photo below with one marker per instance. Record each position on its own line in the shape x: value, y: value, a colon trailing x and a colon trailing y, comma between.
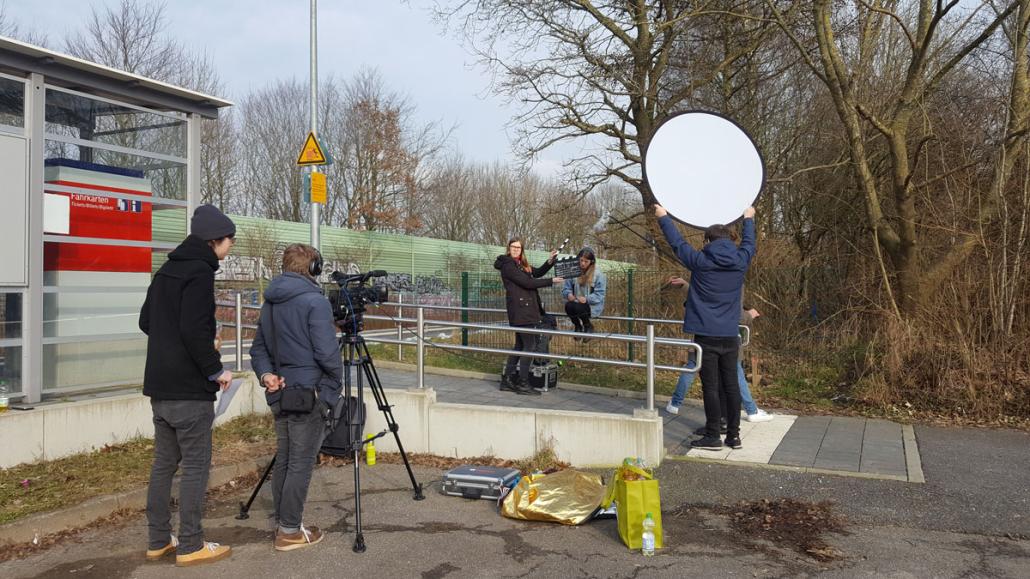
x: 101, y: 217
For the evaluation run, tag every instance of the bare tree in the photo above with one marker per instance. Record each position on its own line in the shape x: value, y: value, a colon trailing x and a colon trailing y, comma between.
x: 452, y: 193
x: 384, y: 156
x: 908, y: 54
x: 594, y: 71
x: 11, y: 29
x: 130, y: 37
x: 273, y: 122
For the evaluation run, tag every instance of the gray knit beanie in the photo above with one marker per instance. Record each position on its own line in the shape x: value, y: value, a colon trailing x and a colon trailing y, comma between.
x: 209, y: 223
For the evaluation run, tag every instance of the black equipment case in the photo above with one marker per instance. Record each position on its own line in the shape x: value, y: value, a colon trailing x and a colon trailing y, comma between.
x: 543, y: 377
x: 478, y: 482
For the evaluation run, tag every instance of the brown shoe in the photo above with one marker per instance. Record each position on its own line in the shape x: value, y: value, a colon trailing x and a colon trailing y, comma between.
x: 209, y: 553
x: 157, y: 554
x: 305, y: 537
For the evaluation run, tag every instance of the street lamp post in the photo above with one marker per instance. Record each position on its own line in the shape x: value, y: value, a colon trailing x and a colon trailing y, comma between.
x: 315, y: 207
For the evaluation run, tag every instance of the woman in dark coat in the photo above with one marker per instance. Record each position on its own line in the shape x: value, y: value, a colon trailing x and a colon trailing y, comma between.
x: 521, y: 282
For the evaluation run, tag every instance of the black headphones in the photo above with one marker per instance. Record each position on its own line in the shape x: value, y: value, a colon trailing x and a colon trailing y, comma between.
x: 315, y: 266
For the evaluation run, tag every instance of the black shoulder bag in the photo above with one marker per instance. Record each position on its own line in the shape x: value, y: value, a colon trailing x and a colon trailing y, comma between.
x: 293, y: 398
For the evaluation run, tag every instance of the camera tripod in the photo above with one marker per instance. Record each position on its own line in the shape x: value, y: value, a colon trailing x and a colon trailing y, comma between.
x: 356, y: 355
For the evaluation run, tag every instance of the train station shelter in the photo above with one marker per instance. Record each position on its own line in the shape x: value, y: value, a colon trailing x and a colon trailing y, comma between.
x: 99, y: 170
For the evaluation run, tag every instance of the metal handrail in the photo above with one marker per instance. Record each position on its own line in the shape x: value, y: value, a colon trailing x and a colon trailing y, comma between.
x: 421, y: 339
x: 649, y: 339
x: 745, y: 331
x: 561, y: 357
x: 539, y: 331
x: 562, y: 314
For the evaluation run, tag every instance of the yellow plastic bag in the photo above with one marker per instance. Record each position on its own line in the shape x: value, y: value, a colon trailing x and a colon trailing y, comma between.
x: 634, y: 499
x: 568, y: 497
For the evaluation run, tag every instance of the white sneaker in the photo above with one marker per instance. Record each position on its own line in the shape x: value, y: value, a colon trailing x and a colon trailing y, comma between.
x: 760, y: 416
x: 672, y: 409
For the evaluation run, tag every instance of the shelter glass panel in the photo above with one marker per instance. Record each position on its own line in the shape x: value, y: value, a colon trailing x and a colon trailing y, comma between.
x: 143, y: 175
x: 10, y: 316
x: 10, y: 368
x: 80, y: 117
x: 12, y: 103
x: 103, y: 238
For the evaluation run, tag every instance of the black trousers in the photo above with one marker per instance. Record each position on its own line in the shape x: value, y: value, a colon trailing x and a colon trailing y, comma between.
x: 524, y: 343
x: 719, y: 384
x: 579, y: 314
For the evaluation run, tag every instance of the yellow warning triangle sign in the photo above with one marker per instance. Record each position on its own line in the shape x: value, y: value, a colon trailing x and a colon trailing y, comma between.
x: 312, y: 153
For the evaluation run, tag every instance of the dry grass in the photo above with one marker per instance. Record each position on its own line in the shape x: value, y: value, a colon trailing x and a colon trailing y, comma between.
x: 55, y: 484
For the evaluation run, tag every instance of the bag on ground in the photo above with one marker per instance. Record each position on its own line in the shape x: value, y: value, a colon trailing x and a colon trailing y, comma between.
x: 339, y: 440
x: 635, y: 493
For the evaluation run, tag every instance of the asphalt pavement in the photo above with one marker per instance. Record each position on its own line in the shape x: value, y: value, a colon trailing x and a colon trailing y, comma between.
x: 969, y: 520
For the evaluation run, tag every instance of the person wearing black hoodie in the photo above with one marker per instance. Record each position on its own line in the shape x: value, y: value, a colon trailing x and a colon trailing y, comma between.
x: 525, y: 310
x: 183, y: 373
x: 305, y: 336
x: 711, y: 313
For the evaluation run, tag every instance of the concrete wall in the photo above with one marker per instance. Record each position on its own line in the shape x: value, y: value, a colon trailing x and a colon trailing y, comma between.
x: 583, y: 439
x: 60, y: 429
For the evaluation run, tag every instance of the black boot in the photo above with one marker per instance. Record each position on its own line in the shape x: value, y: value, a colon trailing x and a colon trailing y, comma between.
x: 587, y: 328
x: 508, y: 382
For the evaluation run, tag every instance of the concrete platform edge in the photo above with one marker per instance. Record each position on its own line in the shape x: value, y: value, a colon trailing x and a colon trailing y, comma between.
x: 913, y: 463
x: 803, y: 469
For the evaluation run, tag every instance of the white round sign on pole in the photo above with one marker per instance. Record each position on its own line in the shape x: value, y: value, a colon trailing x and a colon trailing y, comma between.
x: 703, y: 168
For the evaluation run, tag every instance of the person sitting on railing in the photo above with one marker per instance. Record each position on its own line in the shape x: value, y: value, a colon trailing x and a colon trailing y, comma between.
x: 585, y: 295
x: 522, y: 301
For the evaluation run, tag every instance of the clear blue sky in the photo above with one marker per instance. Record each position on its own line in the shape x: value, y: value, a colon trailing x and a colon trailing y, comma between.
x: 252, y: 42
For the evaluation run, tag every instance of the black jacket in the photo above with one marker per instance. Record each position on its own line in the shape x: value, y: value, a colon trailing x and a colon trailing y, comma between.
x: 520, y: 290
x: 179, y: 318
x: 305, y: 337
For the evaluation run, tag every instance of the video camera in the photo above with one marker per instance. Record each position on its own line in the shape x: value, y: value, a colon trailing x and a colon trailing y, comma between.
x: 354, y: 295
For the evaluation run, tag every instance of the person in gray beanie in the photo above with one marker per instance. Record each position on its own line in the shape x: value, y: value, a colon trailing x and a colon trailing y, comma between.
x: 183, y: 373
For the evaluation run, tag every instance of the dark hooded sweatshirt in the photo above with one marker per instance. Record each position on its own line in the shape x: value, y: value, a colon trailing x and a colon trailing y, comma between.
x: 178, y: 316
x: 716, y: 280
x: 306, y: 338
x: 521, y: 299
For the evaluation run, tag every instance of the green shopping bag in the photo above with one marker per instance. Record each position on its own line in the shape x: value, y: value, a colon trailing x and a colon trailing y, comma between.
x: 634, y: 499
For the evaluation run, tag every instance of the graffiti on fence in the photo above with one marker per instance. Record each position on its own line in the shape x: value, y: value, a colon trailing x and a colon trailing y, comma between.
x: 422, y: 285
x: 248, y: 269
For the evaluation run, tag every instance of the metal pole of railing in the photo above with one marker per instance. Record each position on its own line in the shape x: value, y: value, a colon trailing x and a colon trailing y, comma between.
x: 420, y: 352
x: 239, y: 332
x: 400, y: 326
x: 650, y: 366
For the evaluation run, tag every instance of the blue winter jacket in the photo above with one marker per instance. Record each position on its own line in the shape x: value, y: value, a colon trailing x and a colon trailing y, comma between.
x: 716, y: 279
x: 306, y: 334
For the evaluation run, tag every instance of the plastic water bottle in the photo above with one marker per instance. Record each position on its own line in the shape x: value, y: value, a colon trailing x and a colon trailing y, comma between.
x: 647, y: 538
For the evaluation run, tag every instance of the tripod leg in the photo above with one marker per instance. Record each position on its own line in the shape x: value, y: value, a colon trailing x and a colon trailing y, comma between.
x: 359, y: 537
x: 356, y: 445
x: 245, y: 508
x: 376, y: 386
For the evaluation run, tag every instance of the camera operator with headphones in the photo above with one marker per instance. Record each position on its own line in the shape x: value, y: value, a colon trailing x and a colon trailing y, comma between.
x: 297, y: 357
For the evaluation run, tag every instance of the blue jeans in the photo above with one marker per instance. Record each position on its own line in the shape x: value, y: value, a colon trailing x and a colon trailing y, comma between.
x: 687, y: 380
